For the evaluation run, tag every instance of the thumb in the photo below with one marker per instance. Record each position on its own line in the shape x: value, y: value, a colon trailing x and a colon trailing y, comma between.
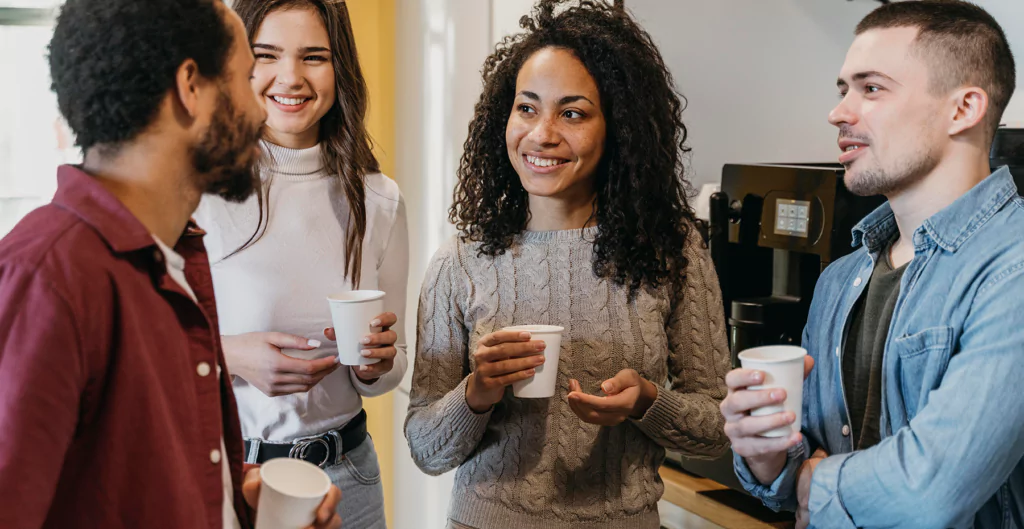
x: 251, y: 487
x: 290, y: 341
x: 619, y: 382
x: 808, y: 365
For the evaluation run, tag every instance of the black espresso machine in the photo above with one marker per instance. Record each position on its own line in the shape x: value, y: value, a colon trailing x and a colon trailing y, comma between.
x: 772, y: 230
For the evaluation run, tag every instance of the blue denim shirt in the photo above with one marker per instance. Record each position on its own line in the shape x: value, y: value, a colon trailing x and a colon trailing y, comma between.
x: 952, y: 418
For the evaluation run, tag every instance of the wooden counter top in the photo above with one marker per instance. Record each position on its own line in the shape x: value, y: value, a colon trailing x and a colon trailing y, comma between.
x: 717, y: 503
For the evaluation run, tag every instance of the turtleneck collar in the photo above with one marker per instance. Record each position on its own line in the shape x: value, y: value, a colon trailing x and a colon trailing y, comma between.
x: 294, y: 164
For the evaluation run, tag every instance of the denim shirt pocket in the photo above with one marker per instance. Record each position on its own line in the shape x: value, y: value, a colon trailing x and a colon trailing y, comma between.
x: 923, y: 357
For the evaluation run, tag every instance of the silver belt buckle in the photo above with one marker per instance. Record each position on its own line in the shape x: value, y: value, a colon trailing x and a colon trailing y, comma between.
x: 301, y: 448
x: 338, y: 445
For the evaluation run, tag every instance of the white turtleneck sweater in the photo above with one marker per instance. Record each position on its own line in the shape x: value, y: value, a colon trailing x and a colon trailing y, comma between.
x: 281, y: 283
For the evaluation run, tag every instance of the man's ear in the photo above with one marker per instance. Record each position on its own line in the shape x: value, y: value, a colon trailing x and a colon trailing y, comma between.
x: 187, y: 87
x: 970, y: 109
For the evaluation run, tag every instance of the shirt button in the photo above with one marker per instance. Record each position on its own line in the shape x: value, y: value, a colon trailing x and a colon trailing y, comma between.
x: 203, y: 369
x: 856, y: 282
x: 215, y: 456
x: 846, y: 429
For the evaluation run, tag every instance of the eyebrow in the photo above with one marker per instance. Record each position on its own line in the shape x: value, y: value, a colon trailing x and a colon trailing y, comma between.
x: 860, y: 76
x: 564, y: 101
x: 307, y: 49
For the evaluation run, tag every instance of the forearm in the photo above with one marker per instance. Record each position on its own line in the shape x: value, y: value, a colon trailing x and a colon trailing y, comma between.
x: 688, y: 422
x: 443, y: 433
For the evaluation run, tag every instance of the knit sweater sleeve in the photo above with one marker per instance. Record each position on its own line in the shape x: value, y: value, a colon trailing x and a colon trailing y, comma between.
x: 687, y: 417
x: 441, y: 428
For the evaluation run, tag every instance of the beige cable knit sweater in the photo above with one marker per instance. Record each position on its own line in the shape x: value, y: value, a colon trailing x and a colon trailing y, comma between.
x: 532, y: 463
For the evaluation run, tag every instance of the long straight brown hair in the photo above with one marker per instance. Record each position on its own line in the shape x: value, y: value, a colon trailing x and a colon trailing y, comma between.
x: 345, y: 145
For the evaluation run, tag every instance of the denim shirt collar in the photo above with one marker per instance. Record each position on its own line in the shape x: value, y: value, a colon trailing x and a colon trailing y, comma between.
x: 950, y: 227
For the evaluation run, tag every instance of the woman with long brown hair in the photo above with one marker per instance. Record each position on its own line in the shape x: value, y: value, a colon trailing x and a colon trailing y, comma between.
x: 324, y: 221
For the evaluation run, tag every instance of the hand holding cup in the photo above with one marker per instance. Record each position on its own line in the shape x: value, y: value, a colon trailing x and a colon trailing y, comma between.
x: 380, y: 347
x: 764, y: 455
x: 502, y: 358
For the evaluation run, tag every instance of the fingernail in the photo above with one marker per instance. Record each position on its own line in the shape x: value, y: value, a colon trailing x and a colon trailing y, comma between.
x: 758, y: 376
x: 375, y: 323
x: 538, y: 360
x: 531, y: 372
x: 364, y: 368
x: 366, y: 353
x: 314, y: 343
x: 540, y: 346
x: 524, y: 336
x: 775, y: 395
x: 606, y: 387
x: 365, y: 340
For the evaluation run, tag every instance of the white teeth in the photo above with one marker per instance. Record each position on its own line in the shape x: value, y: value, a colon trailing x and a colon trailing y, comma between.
x: 852, y: 148
x: 290, y: 101
x: 543, y: 162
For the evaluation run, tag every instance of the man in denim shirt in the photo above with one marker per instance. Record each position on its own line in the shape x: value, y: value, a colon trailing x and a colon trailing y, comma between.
x: 913, y: 410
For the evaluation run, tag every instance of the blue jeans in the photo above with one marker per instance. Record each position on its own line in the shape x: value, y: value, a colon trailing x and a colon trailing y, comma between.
x: 362, y: 496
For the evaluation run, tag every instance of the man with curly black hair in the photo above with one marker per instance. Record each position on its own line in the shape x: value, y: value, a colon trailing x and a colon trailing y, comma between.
x: 116, y: 411
x: 572, y: 206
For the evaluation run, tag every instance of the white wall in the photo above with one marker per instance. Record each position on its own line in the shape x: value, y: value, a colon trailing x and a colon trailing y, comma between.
x: 760, y: 75
x: 441, y: 46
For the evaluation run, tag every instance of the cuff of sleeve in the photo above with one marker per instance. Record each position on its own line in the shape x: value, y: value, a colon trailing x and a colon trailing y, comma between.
x: 781, y: 493
x: 462, y: 418
x: 825, y: 506
x: 662, y: 414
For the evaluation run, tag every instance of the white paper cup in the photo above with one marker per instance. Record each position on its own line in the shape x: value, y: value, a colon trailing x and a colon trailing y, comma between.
x: 352, y: 313
x: 783, y: 367
x: 542, y: 384
x: 292, y: 490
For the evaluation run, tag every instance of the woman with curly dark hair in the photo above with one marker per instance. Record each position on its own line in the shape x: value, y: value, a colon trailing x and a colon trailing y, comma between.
x: 572, y: 209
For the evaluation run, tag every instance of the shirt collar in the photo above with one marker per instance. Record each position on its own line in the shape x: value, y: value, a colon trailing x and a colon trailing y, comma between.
x: 951, y: 227
x: 82, y: 195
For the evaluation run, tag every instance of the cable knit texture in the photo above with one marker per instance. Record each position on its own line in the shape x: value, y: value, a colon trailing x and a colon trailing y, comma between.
x: 532, y: 463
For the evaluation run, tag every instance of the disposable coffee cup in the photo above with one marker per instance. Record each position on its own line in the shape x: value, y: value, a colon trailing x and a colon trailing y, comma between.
x: 352, y: 313
x: 783, y: 367
x: 291, y: 491
x: 542, y: 384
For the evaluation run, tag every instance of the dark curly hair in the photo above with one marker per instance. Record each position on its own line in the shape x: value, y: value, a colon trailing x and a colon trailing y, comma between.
x: 641, y: 210
x: 113, y: 61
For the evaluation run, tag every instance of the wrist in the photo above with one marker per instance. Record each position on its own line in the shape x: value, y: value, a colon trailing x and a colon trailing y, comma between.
x: 473, y: 398
x: 364, y: 380
x: 648, y: 394
x: 767, y: 468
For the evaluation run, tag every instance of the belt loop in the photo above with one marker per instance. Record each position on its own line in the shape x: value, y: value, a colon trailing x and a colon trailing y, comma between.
x: 338, y: 446
x: 254, y: 451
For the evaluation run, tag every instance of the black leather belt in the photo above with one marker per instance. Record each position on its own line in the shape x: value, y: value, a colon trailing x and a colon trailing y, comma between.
x: 323, y: 450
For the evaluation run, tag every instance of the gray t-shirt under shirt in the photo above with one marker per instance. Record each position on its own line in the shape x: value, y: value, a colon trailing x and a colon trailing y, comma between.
x: 865, y: 347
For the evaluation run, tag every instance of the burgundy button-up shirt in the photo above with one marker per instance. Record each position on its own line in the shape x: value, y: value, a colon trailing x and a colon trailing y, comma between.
x: 110, y: 404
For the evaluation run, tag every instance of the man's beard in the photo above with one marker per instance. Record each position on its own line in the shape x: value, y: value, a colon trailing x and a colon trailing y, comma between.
x: 224, y: 160
x: 882, y: 181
